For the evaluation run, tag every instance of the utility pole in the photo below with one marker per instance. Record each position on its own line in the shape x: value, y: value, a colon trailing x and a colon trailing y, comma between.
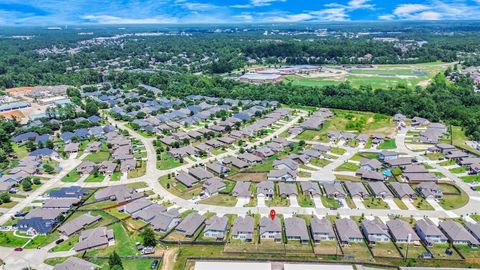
x: 408, y: 244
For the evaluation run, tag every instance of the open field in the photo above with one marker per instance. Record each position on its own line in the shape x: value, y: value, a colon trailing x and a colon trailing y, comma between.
x: 380, y: 76
x: 360, y: 122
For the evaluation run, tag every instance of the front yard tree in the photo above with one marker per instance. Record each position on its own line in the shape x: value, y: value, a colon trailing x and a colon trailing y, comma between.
x: 5, y: 197
x: 26, y: 185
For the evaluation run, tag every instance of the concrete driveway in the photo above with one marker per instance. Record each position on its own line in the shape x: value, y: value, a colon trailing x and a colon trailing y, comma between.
x: 391, y: 203
x: 293, y: 201
x: 408, y: 203
x: 359, y: 203
x: 318, y: 202
x: 242, y: 201
x: 435, y: 204
x: 261, y: 201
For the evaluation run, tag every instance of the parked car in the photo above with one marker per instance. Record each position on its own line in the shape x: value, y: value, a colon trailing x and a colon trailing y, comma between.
x: 20, y: 214
x: 154, y: 264
x: 18, y: 249
x: 59, y: 241
x: 138, y: 246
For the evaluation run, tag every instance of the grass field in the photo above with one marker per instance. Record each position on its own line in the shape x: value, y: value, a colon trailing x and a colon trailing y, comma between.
x: 347, y: 167
x: 381, y: 76
x: 72, y: 176
x: 345, y: 120
x: 375, y: 203
x: 220, y: 199
x: 167, y: 162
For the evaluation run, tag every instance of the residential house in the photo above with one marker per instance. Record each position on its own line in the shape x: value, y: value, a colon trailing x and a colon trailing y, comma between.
x: 243, y: 228
x: 186, y: 179
x: 375, y: 231
x: 94, y: 238
x: 429, y: 232
x: 287, y: 190
x: 265, y: 189
x: 402, y: 232
x: 213, y: 185
x: 119, y: 193
x: 310, y: 188
x: 242, y: 190
x: 430, y: 190
x: 216, y: 227
x: 403, y: 190
x: 457, y: 234
x: 282, y: 175
x: 322, y: 230
x: 348, y: 231
x: 68, y: 192
x: 380, y: 190
x: 296, y: 230
x: 78, y: 224
x: 357, y: 189
x: 74, y: 263
x: 270, y: 229
x: 200, y: 173
x: 334, y: 190
x: 190, y: 224
x: 165, y: 221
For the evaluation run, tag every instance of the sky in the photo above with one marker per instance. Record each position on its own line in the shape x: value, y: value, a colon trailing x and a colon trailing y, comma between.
x: 74, y: 12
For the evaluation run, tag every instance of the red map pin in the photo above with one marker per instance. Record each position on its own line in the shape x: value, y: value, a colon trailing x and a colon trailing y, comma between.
x: 272, y: 214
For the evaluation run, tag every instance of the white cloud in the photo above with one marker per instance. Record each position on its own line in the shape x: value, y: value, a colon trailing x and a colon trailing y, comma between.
x: 435, y: 10
x: 386, y: 17
x: 406, y: 10
x: 332, y: 14
x: 108, y: 19
x: 262, y: 3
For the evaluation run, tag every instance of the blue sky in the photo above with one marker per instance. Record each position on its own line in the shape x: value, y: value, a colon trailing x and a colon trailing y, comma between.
x: 59, y: 12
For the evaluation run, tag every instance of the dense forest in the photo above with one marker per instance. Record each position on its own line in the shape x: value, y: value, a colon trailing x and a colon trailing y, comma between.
x: 209, y: 52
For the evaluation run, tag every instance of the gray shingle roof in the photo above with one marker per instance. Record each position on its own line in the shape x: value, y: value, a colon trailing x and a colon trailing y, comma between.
x: 191, y: 224
x: 347, y: 230
x: 243, y: 225
x: 456, y: 232
x: 296, y: 227
x: 321, y: 226
x: 400, y: 230
x: 77, y: 224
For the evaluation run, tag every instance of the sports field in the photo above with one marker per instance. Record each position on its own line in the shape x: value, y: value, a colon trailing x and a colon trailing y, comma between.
x: 376, y: 76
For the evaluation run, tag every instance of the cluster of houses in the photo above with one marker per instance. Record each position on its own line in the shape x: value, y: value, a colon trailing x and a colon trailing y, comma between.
x: 227, y: 135
x: 462, y: 158
x: 313, y: 122
x: 431, y: 133
x: 121, y: 150
x: 58, y: 202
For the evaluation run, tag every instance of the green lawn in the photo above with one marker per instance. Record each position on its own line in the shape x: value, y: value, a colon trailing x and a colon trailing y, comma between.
x: 116, y: 176
x: 93, y: 178
x: 338, y: 150
x: 43, y: 240
x: 140, y: 170
x: 20, y: 151
x: 66, y: 245
x: 421, y: 204
x: 435, y: 156
x: 7, y: 239
x: 375, y: 203
x: 471, y: 178
x: 277, y: 201
x: 400, y: 204
x: 320, y: 162
x: 330, y: 202
x: 447, y: 163
x: 388, y: 144
x: 72, y: 176
x: 305, y: 200
x: 124, y: 243
x: 166, y: 162
x: 98, y: 157
x: 449, y: 202
x: 459, y: 169
x: 220, y: 199
x: 460, y: 139
x: 347, y: 167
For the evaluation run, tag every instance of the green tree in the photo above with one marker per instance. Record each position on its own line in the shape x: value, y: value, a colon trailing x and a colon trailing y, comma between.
x: 149, y: 238
x: 114, y: 261
x: 91, y: 108
x: 5, y: 197
x: 26, y: 185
